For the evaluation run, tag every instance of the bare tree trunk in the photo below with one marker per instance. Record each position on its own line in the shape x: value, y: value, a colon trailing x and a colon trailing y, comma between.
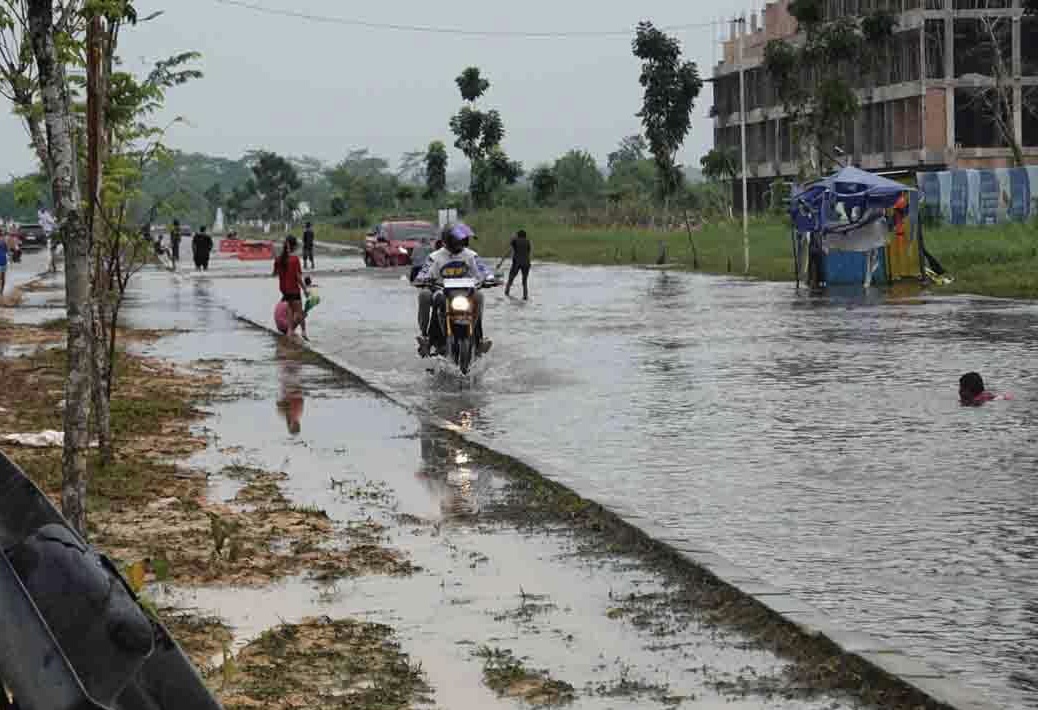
x: 101, y: 387
x: 96, y: 90
x: 76, y: 238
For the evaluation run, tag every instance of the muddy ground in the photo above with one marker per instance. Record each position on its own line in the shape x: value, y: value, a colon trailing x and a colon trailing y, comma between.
x: 311, y: 545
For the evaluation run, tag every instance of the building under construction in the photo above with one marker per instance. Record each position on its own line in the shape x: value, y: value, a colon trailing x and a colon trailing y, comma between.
x: 928, y: 108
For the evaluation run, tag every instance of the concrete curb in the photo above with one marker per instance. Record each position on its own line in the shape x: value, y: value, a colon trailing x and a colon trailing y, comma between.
x: 907, y: 671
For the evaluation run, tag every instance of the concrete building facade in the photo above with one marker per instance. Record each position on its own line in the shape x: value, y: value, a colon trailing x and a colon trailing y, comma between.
x: 927, y: 109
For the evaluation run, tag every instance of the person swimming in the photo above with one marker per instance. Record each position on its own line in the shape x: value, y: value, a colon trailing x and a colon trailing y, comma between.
x: 973, y: 392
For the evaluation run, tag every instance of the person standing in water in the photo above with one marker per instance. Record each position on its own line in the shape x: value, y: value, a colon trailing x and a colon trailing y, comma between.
x: 201, y: 247
x: 174, y: 243
x: 521, y: 250
x: 289, y: 271
x: 308, y: 245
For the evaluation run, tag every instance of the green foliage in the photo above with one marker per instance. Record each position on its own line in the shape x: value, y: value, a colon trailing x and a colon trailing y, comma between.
x: 631, y: 149
x: 274, y: 180
x: 471, y: 84
x: 671, y: 88
x: 435, y: 170
x: 579, y: 181
x: 808, y: 13
x: 478, y: 135
x: 543, y: 184
x: 812, y: 79
x: 720, y: 164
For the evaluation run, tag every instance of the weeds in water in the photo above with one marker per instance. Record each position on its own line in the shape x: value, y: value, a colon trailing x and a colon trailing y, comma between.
x: 507, y: 676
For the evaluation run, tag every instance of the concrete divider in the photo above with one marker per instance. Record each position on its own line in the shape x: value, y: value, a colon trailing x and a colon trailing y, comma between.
x: 935, y: 688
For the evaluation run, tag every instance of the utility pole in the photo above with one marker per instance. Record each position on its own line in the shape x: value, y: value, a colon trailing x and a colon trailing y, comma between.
x: 742, y: 115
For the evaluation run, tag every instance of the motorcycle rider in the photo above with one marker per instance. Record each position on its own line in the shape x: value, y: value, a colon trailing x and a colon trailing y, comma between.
x: 453, y: 260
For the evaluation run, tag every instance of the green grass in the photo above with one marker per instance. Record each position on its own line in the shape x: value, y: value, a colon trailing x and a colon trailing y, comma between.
x: 993, y: 261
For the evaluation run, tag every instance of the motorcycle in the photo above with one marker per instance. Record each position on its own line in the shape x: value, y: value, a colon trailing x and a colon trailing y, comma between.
x: 452, y: 333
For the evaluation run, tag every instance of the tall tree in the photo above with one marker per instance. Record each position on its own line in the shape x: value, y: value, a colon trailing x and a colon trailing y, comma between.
x: 543, y: 184
x: 579, y: 181
x: 478, y: 135
x: 19, y: 79
x: 631, y: 149
x: 64, y: 176
x: 435, y: 170
x: 816, y: 79
x: 274, y: 180
x: 671, y: 88
x: 214, y: 196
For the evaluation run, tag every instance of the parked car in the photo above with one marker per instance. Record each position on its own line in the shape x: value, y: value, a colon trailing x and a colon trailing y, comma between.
x: 32, y: 236
x: 391, y: 243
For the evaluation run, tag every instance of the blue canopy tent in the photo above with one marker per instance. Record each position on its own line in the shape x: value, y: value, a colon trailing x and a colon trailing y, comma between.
x: 841, y: 222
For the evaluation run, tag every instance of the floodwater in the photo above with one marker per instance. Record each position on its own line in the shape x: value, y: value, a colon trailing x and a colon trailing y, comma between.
x: 816, y: 441
x: 481, y: 584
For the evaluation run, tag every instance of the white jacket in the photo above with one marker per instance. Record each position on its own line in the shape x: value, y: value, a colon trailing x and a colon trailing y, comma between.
x: 441, y: 265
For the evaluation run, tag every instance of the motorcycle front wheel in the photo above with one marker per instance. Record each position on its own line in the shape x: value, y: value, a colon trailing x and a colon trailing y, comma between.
x: 463, y: 354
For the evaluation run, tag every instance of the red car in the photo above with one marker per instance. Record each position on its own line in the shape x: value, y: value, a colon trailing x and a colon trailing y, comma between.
x: 391, y: 243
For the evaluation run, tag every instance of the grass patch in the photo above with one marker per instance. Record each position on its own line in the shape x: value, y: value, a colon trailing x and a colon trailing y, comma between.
x: 507, y: 676
x: 325, y: 663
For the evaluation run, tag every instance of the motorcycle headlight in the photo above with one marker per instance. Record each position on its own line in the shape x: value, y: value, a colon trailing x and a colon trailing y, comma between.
x: 460, y: 304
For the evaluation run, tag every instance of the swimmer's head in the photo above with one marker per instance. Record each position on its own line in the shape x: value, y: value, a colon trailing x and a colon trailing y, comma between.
x: 971, y: 386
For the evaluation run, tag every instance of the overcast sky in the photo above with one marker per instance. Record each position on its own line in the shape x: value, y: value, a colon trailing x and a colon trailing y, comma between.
x: 306, y: 87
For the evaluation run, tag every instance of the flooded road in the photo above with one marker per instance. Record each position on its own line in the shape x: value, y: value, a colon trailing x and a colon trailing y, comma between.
x: 816, y: 441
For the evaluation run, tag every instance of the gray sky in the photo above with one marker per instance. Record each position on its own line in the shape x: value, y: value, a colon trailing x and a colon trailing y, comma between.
x: 302, y: 87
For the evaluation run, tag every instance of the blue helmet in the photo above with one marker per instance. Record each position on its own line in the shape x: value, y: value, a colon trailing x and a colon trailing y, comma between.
x: 456, y: 237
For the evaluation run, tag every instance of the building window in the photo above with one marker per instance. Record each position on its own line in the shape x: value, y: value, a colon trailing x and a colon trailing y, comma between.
x: 975, y: 110
x: 1030, y: 119
x: 935, y: 38
x: 981, y: 42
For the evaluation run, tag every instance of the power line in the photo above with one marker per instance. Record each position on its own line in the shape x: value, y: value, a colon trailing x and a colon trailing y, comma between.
x: 427, y: 29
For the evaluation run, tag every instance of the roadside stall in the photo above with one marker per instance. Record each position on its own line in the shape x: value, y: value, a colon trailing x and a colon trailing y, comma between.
x: 855, y: 227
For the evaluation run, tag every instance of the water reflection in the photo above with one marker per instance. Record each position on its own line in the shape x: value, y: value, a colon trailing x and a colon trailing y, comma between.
x: 290, y: 386
x: 448, y: 473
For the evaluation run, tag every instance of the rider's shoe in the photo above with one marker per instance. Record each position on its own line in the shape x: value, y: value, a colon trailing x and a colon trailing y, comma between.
x: 423, y: 346
x: 484, y: 347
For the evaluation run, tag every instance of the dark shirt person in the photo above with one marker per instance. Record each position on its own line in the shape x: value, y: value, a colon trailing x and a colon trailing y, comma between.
x: 201, y: 248
x: 308, y: 245
x: 174, y: 241
x: 521, y: 251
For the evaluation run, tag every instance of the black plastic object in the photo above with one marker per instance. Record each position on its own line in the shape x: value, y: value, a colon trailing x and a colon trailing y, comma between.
x: 72, y: 634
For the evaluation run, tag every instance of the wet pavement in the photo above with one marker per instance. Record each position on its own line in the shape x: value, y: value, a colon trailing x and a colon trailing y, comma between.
x: 482, y: 583
x: 816, y: 441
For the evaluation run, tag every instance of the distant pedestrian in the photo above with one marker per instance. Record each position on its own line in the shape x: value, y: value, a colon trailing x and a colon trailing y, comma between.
x: 3, y: 264
x: 522, y: 248
x: 308, y: 245
x: 201, y: 248
x: 50, y: 229
x: 174, y: 243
